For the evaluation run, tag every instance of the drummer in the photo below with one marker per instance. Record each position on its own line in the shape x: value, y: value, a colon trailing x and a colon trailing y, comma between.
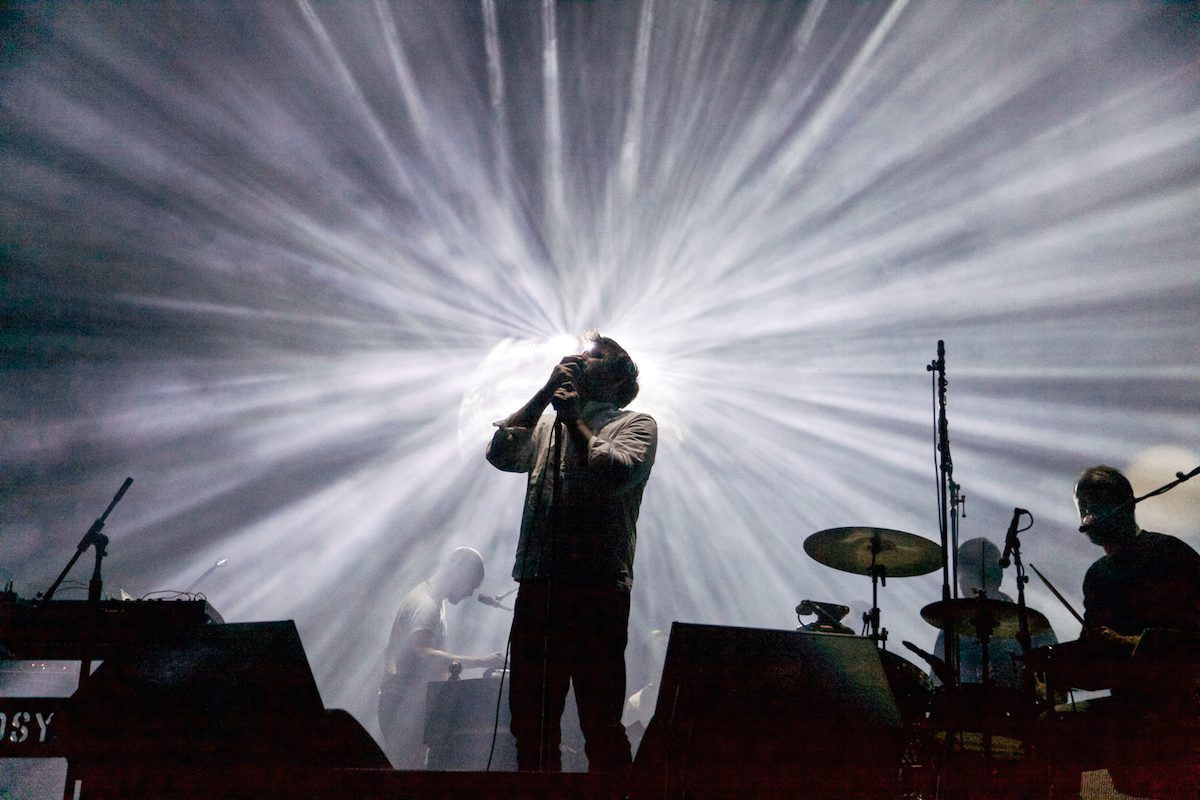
x: 979, y: 571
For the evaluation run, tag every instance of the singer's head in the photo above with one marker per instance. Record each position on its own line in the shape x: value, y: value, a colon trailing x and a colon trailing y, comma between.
x: 608, y: 374
x: 1104, y: 499
x: 460, y: 575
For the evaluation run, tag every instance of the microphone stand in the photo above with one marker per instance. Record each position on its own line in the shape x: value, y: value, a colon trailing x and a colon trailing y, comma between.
x: 557, y: 434
x: 1028, y: 683
x: 92, y: 537
x: 1179, y: 478
x: 947, y: 516
x: 219, y: 562
x: 494, y: 600
x: 948, y: 501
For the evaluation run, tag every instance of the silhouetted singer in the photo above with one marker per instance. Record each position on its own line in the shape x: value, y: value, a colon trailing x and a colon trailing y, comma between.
x: 587, y: 467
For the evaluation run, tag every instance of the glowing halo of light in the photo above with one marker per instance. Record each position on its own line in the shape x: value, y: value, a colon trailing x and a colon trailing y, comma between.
x: 509, y: 375
x: 513, y: 369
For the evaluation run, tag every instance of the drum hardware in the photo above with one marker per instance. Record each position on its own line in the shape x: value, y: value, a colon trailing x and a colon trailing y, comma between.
x: 982, y: 617
x: 829, y: 617
x: 978, y: 706
x: 937, y: 665
x: 878, y: 552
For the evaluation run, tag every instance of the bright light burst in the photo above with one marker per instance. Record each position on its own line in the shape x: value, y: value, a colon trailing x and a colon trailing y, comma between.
x: 284, y: 264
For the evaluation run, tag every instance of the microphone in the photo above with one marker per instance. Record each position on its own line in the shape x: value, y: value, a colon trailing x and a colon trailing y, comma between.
x: 1091, y: 520
x: 494, y: 602
x: 1010, y: 538
x: 220, y: 562
x: 570, y: 387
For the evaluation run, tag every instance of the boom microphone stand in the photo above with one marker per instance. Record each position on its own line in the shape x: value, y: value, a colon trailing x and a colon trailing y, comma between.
x: 948, y: 501
x: 92, y: 537
x: 948, y: 504
x: 95, y: 538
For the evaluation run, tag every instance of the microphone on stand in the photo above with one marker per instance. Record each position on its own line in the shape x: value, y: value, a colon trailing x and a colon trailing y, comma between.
x: 1010, y: 538
x: 494, y: 602
x: 220, y: 562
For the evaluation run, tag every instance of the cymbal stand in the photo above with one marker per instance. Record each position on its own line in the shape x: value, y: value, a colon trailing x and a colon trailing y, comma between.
x: 878, y: 578
x: 984, y: 625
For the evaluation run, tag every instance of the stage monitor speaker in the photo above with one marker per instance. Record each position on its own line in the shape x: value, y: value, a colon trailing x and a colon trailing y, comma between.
x: 766, y: 713
x: 235, y: 699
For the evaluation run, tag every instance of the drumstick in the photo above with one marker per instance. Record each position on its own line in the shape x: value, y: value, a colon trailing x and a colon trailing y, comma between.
x: 1058, y: 594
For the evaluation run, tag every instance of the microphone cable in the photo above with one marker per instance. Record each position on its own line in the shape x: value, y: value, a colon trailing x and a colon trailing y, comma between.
x: 499, y: 698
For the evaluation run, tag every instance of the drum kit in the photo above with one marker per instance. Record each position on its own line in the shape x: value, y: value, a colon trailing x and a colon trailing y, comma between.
x: 966, y: 722
x: 982, y: 711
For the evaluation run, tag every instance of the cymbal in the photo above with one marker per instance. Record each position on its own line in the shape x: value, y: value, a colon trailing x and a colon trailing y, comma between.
x: 901, y: 554
x: 967, y: 613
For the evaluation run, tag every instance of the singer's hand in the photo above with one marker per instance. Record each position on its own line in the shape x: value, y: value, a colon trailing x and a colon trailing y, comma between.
x: 492, y: 661
x: 566, y: 403
x: 565, y: 372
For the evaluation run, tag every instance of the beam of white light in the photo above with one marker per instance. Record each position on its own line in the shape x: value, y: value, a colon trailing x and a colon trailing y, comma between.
x: 330, y: 50
x: 405, y: 80
x: 634, y: 121
x: 495, y: 74
x: 285, y: 264
x: 554, y: 175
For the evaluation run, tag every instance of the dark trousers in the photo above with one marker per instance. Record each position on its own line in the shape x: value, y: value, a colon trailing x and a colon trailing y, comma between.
x: 566, y: 634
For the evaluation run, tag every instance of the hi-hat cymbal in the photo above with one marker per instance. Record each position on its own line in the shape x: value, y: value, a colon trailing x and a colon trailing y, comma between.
x: 900, y: 554
x: 968, y: 616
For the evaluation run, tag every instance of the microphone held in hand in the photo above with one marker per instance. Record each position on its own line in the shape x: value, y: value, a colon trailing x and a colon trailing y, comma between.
x: 565, y: 402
